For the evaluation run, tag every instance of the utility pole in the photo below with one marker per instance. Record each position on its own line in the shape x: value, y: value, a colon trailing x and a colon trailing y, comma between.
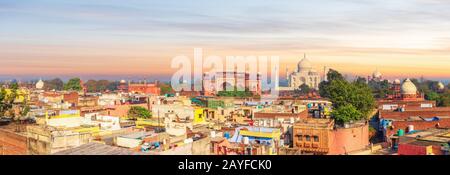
x: 159, y: 124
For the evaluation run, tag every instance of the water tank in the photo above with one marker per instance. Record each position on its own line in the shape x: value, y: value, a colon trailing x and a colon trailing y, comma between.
x: 400, y: 132
x: 410, y: 128
x: 246, y: 140
x: 187, y: 141
x: 226, y: 135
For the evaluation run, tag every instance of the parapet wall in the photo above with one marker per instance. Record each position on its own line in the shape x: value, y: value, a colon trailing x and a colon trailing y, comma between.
x: 346, y: 140
x: 12, y: 143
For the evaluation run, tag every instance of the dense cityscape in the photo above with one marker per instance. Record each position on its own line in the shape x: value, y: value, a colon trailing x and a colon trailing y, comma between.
x: 224, y: 86
x: 316, y: 113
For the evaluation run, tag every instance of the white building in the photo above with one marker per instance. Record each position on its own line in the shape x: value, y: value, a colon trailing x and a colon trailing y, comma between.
x: 305, y: 74
x: 40, y: 84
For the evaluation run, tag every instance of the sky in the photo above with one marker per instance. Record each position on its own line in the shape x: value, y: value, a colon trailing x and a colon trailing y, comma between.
x: 139, y: 38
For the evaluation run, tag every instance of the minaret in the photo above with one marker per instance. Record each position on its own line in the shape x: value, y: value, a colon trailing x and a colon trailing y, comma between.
x: 277, y: 78
x: 287, y: 74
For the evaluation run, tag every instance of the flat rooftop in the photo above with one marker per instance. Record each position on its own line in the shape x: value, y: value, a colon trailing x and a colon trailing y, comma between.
x: 94, y: 148
x: 314, y: 123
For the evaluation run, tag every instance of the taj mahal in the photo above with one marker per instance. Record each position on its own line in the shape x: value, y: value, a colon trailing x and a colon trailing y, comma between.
x: 305, y: 74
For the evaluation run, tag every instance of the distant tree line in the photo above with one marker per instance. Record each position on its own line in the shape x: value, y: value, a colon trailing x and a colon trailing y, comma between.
x: 74, y: 84
x: 432, y: 92
x: 235, y: 93
x: 429, y: 88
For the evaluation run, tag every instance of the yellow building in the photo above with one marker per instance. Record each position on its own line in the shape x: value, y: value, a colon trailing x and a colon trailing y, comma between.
x: 199, y: 116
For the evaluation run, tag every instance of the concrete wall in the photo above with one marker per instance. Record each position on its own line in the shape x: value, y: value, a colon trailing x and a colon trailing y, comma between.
x: 345, y: 140
x: 66, y: 122
x: 199, y: 147
x: 202, y: 146
x: 42, y: 141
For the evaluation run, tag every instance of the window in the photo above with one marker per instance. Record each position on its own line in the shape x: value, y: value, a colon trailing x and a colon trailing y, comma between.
x: 300, y: 137
x: 308, y: 138
x: 316, y: 138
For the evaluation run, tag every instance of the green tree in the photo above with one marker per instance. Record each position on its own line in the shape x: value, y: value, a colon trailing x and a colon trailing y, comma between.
x: 334, y: 75
x: 7, y: 100
x: 102, y: 85
x: 235, y: 93
x: 54, y: 84
x: 73, y: 84
x: 3, y: 102
x: 444, y: 99
x: 361, y: 80
x: 430, y: 95
x: 380, y: 88
x: 138, y: 112
x: 113, y: 86
x: 91, y: 86
x: 303, y: 90
x: 342, y: 93
x: 166, y: 88
x: 346, y: 113
x: 331, y: 76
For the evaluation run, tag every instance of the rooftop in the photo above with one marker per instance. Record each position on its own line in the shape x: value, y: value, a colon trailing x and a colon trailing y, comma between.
x: 94, y: 148
x: 315, y: 123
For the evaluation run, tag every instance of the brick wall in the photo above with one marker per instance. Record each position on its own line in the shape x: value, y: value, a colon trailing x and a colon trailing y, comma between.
x: 409, y: 149
x: 121, y: 110
x: 346, y: 140
x: 303, y: 114
x: 12, y: 143
x: 71, y: 97
x: 419, y: 125
x: 144, y: 88
x: 423, y: 113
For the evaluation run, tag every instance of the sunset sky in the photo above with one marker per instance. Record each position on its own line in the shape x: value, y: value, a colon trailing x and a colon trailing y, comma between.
x: 132, y: 38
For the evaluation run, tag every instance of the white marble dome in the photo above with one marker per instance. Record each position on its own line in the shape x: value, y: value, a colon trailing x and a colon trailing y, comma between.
x: 304, y: 65
x: 441, y: 86
x: 408, y: 87
x: 377, y: 74
x: 40, y: 84
x: 397, y: 81
x: 123, y: 81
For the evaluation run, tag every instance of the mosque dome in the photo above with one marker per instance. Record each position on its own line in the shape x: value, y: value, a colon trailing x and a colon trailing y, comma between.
x: 304, y: 65
x: 40, y: 84
x: 441, y: 86
x: 376, y: 74
x: 397, y: 81
x: 123, y: 81
x: 408, y: 87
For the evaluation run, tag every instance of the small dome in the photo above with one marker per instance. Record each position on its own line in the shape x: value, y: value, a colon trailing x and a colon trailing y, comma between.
x: 377, y: 74
x: 441, y: 86
x: 397, y: 81
x: 40, y: 84
x: 408, y: 87
x: 123, y: 81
